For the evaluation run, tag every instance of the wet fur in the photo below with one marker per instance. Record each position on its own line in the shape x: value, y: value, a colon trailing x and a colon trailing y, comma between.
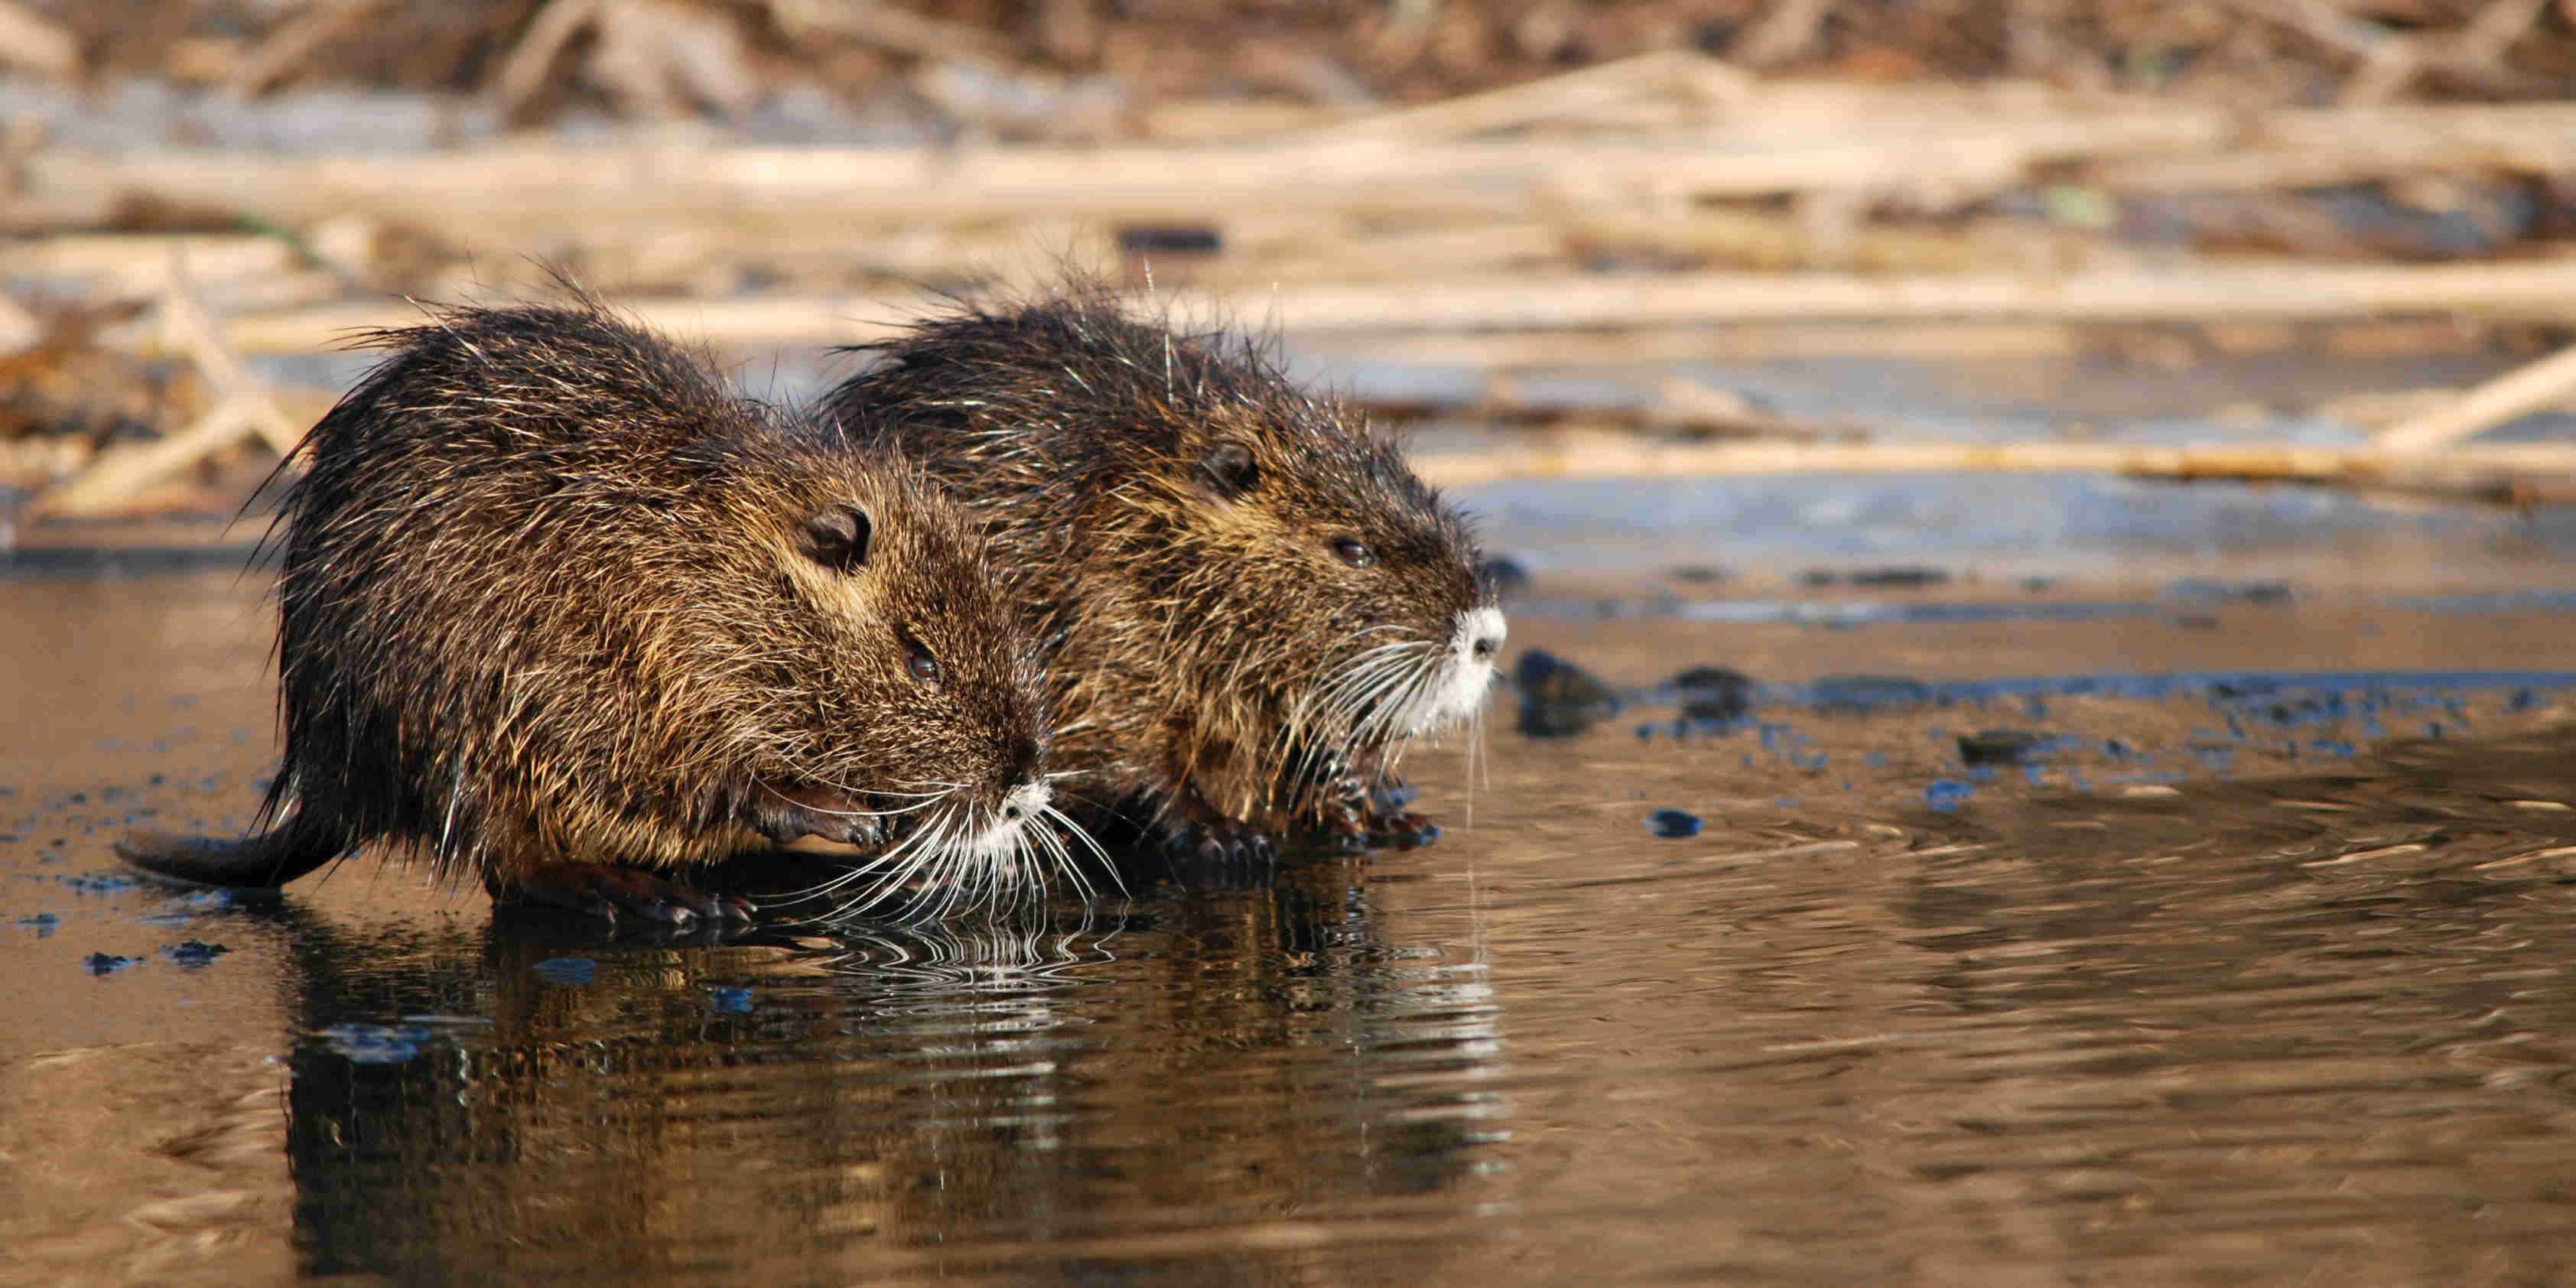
x: 1188, y: 629
x: 546, y: 598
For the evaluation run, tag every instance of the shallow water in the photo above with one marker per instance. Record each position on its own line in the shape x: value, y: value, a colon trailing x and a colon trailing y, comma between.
x: 2258, y: 972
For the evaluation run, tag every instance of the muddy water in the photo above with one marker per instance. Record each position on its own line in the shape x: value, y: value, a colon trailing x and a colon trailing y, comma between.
x: 2257, y: 969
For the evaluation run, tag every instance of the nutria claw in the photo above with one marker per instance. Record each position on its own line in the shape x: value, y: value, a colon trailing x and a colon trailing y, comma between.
x: 604, y: 891
x: 1226, y: 838
x: 1351, y: 830
x: 1403, y: 831
x: 791, y: 814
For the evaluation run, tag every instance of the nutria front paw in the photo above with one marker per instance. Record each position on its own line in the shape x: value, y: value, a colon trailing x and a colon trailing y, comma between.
x: 785, y: 814
x: 606, y: 891
x: 1401, y: 830
x: 1352, y: 830
x: 1365, y: 815
x: 1223, y: 838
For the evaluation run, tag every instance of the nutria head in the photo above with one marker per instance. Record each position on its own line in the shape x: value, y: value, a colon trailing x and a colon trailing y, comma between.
x: 890, y: 671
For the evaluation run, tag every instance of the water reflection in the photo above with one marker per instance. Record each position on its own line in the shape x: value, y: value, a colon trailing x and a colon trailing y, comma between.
x: 1167, y: 1080
x: 2257, y: 1028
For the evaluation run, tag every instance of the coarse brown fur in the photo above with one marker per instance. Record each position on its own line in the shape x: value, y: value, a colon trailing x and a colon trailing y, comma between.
x: 1210, y: 554
x: 558, y: 610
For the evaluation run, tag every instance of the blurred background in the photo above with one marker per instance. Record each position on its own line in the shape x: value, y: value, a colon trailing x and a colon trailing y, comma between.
x: 1838, y: 281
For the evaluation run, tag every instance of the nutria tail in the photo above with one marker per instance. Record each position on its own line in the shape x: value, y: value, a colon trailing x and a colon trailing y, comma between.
x: 266, y: 861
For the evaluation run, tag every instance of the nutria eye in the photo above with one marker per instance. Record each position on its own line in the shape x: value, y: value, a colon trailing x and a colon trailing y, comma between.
x: 836, y: 537
x: 925, y: 668
x: 918, y: 660
x: 1352, y: 552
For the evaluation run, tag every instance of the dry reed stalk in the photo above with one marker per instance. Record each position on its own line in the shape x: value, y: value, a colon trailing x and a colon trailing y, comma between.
x: 1596, y: 454
x: 243, y: 408
x: 1676, y: 73
x: 2517, y: 393
x: 886, y: 27
x: 1554, y: 348
x: 2311, y: 147
x: 2539, y: 291
x: 294, y: 41
x: 1675, y: 406
x: 193, y: 332
x: 115, y: 265
x: 114, y: 478
x: 2544, y: 290
x: 517, y: 186
x: 523, y: 73
x: 36, y: 44
x: 813, y: 320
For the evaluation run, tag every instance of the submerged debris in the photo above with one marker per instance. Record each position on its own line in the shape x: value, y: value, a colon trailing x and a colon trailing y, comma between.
x: 1714, y: 694
x: 195, y: 952
x: 1900, y: 576
x: 1998, y: 746
x: 1506, y: 575
x: 1558, y: 698
x: 1862, y: 693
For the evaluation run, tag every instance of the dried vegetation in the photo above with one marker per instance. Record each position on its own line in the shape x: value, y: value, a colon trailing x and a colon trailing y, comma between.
x: 1495, y: 186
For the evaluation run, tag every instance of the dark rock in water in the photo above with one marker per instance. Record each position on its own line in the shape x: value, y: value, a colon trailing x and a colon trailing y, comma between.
x: 1170, y: 239
x: 1558, y: 698
x: 1672, y: 824
x: 1700, y: 573
x: 195, y: 952
x: 1997, y: 746
x: 1505, y: 574
x: 107, y: 963
x: 1535, y: 667
x: 1869, y: 692
x: 2238, y: 592
x: 1714, y: 694
x: 1899, y: 576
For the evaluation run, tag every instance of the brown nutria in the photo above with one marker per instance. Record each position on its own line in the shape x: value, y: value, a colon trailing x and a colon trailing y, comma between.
x: 557, y: 609
x: 1248, y: 601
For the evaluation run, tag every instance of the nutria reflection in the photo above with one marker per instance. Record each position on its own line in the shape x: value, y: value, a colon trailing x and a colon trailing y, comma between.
x: 810, y: 1108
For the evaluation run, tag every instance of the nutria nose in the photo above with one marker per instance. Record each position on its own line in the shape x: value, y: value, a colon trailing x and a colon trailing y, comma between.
x: 1483, y: 629
x: 1025, y: 800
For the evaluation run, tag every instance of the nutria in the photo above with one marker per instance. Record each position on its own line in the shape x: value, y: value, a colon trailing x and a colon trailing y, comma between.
x: 558, y: 610
x: 1248, y: 601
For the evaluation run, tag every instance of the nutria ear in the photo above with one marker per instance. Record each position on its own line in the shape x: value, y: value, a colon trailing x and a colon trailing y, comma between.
x: 836, y: 537
x: 1228, y: 471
